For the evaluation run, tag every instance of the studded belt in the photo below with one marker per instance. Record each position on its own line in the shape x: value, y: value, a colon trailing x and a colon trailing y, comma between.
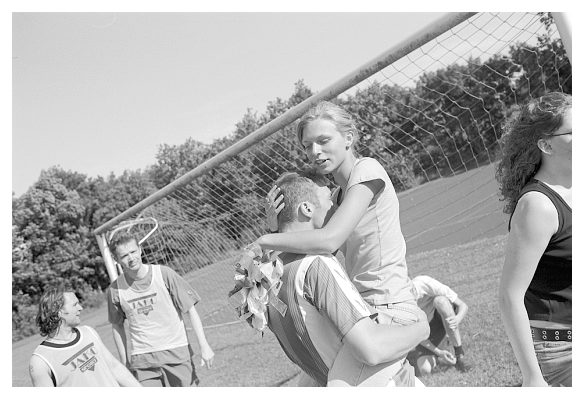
x: 552, y: 335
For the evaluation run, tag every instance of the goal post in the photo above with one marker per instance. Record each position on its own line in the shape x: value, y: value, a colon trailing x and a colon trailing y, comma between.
x: 563, y: 22
x: 430, y: 109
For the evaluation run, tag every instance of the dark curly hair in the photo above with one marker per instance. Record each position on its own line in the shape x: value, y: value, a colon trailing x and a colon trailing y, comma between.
x: 521, y: 157
x: 51, y: 302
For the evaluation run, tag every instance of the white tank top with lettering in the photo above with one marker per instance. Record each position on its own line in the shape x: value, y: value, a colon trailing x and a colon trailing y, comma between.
x: 154, y: 322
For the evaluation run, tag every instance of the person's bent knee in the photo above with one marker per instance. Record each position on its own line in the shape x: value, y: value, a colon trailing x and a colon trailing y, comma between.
x: 444, y: 306
x: 425, y: 364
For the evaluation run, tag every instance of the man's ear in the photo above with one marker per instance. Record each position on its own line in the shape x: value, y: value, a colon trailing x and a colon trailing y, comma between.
x: 544, y: 146
x: 306, y: 208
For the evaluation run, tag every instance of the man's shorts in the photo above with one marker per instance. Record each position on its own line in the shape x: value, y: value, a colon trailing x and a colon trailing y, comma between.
x: 182, y: 374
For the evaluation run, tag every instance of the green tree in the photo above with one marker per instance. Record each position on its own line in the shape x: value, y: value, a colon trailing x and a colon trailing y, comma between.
x: 173, y: 161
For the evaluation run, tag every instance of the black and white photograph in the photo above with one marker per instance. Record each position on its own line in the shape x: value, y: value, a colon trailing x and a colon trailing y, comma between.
x: 257, y: 197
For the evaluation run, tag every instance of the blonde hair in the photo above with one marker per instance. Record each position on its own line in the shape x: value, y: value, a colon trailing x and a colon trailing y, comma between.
x: 326, y: 110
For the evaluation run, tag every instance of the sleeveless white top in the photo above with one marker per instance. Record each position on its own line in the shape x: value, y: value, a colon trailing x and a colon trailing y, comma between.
x: 80, y: 362
x: 154, y: 322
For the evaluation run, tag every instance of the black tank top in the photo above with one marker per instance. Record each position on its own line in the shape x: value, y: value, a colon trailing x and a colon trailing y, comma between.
x: 549, y: 295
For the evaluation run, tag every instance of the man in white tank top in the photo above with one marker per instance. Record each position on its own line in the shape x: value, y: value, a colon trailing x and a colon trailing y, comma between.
x: 153, y: 299
x: 72, y: 354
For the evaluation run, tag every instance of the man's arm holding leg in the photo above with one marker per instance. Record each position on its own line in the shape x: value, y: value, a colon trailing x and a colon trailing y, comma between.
x: 332, y: 293
x: 373, y: 343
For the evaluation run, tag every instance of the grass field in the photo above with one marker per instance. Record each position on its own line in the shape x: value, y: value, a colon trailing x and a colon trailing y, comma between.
x: 472, y: 270
x: 455, y: 233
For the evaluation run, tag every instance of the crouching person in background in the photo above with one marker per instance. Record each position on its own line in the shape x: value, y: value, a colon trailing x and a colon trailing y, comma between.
x: 445, y: 311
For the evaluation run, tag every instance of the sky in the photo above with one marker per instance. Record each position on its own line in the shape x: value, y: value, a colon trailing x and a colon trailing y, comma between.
x: 100, y: 92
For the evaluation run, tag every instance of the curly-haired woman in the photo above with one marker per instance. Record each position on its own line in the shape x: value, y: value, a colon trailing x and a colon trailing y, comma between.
x: 535, y: 296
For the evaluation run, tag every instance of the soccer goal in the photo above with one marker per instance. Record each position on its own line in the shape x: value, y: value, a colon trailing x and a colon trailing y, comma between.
x: 430, y: 109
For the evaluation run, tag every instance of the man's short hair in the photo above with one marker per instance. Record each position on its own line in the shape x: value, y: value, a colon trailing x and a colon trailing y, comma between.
x: 297, y: 187
x: 120, y: 239
x: 52, y: 300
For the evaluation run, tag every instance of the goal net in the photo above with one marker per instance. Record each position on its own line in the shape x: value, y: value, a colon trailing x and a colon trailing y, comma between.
x: 432, y: 117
